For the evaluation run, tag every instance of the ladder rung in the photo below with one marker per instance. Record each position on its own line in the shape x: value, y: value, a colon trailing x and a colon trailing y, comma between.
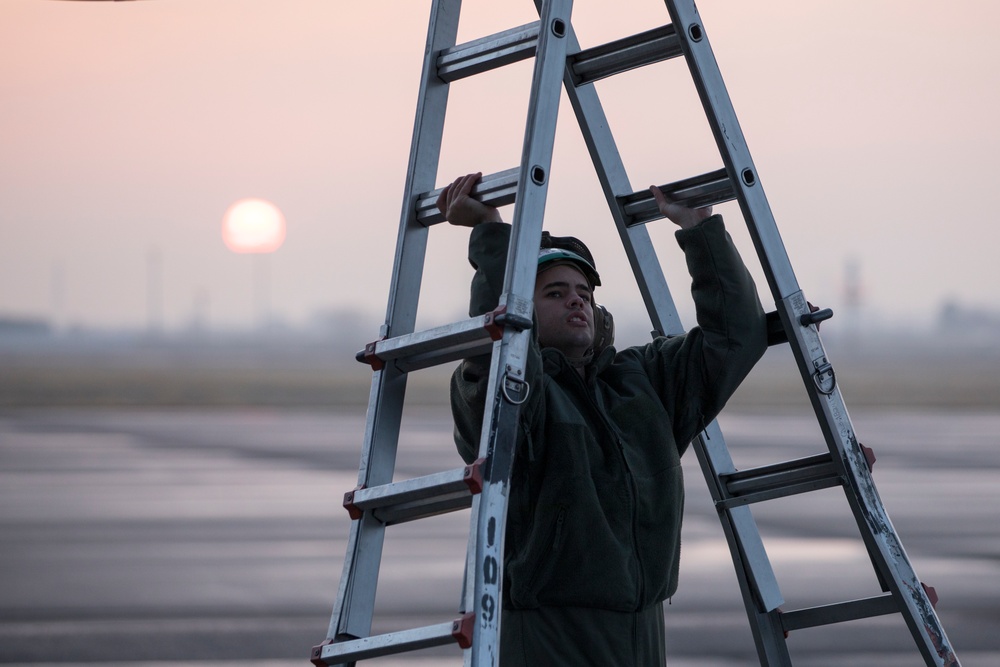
x: 705, y: 190
x: 839, y: 612
x: 587, y: 66
x: 486, y: 53
x: 335, y: 653
x: 419, y: 497
x: 499, y: 189
x: 622, y: 55
x: 779, y: 479
x: 439, y: 345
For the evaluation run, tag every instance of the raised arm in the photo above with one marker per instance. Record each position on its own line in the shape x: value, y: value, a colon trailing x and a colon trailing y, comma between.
x: 487, y: 254
x: 696, y: 373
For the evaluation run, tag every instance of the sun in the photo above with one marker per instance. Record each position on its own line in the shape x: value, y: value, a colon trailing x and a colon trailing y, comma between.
x: 253, y: 226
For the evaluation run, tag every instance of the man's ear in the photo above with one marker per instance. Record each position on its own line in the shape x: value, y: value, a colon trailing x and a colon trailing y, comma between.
x: 604, y: 329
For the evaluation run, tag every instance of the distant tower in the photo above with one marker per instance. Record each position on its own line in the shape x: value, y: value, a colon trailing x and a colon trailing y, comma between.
x: 154, y: 291
x: 853, y: 298
x: 262, y: 290
x: 58, y: 295
x: 200, y: 310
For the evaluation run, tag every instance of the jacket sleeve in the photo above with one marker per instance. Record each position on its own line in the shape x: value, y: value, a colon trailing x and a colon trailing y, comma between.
x: 696, y: 373
x: 488, y: 245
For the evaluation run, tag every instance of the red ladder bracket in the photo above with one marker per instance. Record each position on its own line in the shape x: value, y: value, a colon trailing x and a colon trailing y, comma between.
x: 317, y: 651
x: 869, y: 456
x: 370, y: 358
x: 474, y: 476
x: 461, y: 629
x: 931, y: 594
x: 352, y: 509
x: 493, y: 323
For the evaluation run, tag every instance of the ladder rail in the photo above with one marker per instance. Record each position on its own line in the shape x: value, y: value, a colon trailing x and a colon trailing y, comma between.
x: 354, y: 605
x: 483, y: 589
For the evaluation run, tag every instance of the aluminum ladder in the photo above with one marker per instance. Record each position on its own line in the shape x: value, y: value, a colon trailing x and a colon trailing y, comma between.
x: 377, y: 502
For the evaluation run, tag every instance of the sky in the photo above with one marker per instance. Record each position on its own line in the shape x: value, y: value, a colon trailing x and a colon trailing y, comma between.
x: 128, y: 128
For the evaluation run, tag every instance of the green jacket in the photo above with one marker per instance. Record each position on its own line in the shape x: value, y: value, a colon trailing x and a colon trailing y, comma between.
x: 594, y: 518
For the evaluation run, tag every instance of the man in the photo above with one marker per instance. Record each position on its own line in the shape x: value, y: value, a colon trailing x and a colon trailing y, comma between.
x: 594, y: 517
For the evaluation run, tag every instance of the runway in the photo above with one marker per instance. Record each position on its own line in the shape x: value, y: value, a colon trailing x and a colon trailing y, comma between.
x: 187, y: 537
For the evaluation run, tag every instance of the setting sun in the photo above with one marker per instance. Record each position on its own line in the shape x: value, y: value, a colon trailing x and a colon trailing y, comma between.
x: 253, y: 226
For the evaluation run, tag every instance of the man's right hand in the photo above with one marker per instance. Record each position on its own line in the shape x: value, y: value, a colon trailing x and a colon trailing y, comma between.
x: 461, y: 209
x: 682, y: 216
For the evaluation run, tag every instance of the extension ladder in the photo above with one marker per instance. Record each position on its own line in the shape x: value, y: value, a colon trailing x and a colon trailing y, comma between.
x: 378, y: 502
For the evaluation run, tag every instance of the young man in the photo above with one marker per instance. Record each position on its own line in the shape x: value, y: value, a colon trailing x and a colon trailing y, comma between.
x: 594, y: 518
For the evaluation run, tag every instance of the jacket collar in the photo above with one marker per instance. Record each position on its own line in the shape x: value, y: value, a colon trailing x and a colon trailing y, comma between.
x: 555, y: 362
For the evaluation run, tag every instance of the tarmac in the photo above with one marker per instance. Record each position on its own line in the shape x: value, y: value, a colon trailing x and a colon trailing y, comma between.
x: 204, y: 538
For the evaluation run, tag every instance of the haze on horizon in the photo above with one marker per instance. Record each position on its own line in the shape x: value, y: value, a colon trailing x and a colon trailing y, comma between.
x: 128, y: 129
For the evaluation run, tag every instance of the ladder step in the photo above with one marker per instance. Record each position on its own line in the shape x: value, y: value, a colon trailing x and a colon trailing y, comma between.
x: 705, y: 190
x: 419, y: 497
x: 778, y: 480
x: 622, y: 55
x: 486, y: 53
x: 587, y: 66
x: 335, y: 653
x: 440, y: 345
x: 840, y: 612
x: 499, y: 189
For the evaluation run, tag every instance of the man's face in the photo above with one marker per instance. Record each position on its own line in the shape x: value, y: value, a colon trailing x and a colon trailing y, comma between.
x: 565, y: 310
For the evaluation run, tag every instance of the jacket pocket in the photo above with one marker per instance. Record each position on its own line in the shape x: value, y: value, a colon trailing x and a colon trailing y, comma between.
x: 545, y: 554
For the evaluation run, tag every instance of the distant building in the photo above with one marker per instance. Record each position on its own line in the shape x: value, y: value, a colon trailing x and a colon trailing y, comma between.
x: 24, y: 327
x: 969, y: 322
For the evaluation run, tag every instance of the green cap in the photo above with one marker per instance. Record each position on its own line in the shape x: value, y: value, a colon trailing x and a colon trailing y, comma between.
x: 549, y: 257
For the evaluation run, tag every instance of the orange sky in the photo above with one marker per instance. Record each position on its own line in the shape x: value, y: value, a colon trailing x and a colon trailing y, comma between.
x: 127, y: 129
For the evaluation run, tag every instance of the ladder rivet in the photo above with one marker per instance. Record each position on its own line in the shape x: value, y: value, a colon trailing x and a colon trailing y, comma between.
x: 559, y: 28
x: 748, y: 177
x: 537, y: 175
x: 694, y: 30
